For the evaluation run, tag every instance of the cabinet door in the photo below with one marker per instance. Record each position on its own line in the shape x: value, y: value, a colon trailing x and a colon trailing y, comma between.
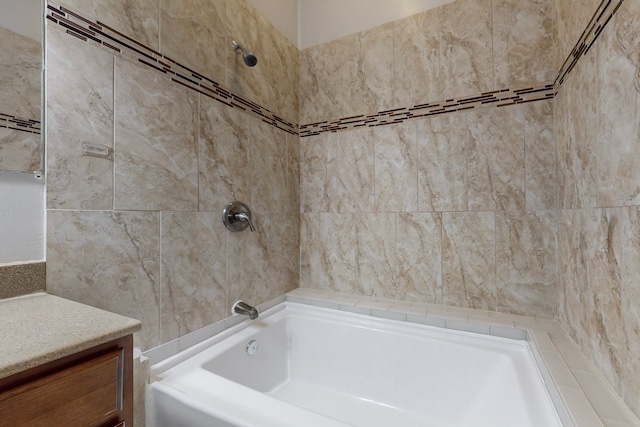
x: 81, y: 395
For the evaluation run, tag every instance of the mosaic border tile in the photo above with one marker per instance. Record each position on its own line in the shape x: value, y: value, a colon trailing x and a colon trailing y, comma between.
x: 497, y: 98
x: 123, y: 46
x: 101, y: 35
x: 606, y: 10
x: 16, y: 123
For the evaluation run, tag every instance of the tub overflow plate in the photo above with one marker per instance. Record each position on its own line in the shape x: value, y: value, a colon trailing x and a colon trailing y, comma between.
x: 252, y: 347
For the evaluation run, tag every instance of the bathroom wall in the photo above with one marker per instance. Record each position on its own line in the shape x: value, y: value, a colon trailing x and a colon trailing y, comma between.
x: 456, y: 207
x: 597, y: 129
x: 139, y: 232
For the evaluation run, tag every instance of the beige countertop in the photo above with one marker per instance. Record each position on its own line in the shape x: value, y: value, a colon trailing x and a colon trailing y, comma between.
x: 40, y: 328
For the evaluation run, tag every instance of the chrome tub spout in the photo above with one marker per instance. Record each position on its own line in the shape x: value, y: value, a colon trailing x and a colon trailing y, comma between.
x: 245, y: 309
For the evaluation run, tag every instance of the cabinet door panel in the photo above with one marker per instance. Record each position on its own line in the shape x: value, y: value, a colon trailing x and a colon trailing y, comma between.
x: 81, y: 395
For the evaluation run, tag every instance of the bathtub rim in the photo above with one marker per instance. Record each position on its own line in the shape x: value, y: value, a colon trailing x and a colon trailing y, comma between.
x: 521, y: 338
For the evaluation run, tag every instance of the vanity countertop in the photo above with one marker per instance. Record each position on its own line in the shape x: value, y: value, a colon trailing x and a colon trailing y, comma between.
x: 40, y: 328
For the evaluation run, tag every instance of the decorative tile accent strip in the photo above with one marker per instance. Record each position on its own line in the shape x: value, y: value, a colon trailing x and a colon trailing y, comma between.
x: 107, y: 38
x: 598, y: 22
x: 497, y: 98
x: 16, y: 123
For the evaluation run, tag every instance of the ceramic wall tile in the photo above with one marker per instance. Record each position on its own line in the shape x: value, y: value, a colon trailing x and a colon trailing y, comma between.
x: 19, y: 151
x: 79, y: 110
x: 442, y: 166
x: 540, y: 155
x: 156, y: 151
x: 194, y: 272
x: 292, y: 202
x: 618, y: 62
x: 224, y: 156
x: 193, y: 32
x: 318, y: 172
x: 7, y: 55
x: 495, y: 159
x: 466, y: 48
x: 419, y: 257
x: 570, y: 19
x: 264, y: 264
x: 396, y: 168
x: 376, y: 254
x: 468, y: 259
x: 243, y: 26
x: 522, y: 43
x: 328, y: 252
x: 416, y: 59
x: 355, y: 176
x: 268, y: 168
x: 27, y: 77
x: 348, y: 76
x: 591, y: 251
x: 630, y: 297
x: 137, y: 19
x: 109, y: 260
x: 578, y: 148
x: 526, y: 263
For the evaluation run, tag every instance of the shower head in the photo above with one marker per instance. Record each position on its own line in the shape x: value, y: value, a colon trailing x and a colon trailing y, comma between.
x: 249, y: 58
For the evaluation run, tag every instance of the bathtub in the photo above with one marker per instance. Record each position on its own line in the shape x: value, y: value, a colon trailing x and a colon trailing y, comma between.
x: 304, y: 366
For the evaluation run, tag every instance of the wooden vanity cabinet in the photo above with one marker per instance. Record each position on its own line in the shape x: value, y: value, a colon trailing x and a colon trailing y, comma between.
x: 93, y: 388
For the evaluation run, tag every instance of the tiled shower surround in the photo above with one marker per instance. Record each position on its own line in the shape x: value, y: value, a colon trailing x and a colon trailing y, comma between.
x: 527, y: 208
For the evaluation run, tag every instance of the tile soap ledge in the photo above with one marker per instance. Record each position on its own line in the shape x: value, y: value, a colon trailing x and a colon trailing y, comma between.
x: 41, y: 328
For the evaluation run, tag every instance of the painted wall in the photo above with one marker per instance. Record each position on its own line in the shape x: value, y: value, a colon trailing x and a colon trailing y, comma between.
x: 458, y: 208
x: 21, y: 218
x: 597, y: 128
x: 140, y: 233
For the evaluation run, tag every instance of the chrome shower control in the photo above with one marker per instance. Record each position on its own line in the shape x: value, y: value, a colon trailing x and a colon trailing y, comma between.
x: 237, y: 217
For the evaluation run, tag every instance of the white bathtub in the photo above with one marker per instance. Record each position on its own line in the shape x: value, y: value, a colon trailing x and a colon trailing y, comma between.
x: 321, y: 367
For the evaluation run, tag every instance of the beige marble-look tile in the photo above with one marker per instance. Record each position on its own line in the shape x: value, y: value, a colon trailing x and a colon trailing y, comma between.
x: 194, y: 272
x: 570, y: 20
x: 466, y: 48
x: 416, y: 58
x: 630, y: 297
x: 526, y: 263
x: 522, y: 43
x: 540, y: 155
x: 468, y: 259
x: 577, y: 144
x: 156, y: 150
x: 279, y: 61
x: 224, y: 156
x: 19, y: 151
x: 496, y: 159
x: 396, y: 168
x: 137, y: 19
x: 442, y: 167
x: 193, y: 32
x: 268, y: 168
x: 243, y: 26
x: 618, y: 65
x: 292, y: 199
x: 328, y: 252
x: 7, y: 61
x: 27, y: 78
x: 355, y: 171
x: 348, y: 76
x: 376, y: 254
x: 318, y: 172
x: 109, y: 260
x: 419, y: 257
x: 264, y: 264
x: 79, y: 110
x: 591, y: 308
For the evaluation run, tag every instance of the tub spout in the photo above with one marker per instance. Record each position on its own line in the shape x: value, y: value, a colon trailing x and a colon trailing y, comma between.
x: 241, y: 307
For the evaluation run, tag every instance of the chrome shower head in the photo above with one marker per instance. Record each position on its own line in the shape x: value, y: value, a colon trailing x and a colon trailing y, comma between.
x: 249, y: 58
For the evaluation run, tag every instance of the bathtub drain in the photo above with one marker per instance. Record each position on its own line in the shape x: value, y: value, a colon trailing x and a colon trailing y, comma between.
x: 252, y: 347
